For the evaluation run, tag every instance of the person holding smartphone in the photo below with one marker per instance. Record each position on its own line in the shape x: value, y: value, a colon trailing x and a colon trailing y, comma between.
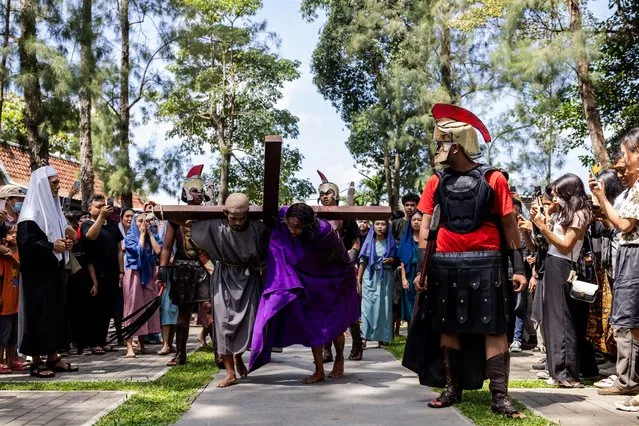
x: 105, y: 264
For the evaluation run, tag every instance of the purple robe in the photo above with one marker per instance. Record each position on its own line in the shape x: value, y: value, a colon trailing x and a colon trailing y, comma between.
x: 310, y: 293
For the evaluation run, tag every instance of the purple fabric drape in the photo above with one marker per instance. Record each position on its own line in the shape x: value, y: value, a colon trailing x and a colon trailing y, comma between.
x: 310, y: 293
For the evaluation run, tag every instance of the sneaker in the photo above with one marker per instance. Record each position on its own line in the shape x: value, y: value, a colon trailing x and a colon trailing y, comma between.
x: 629, y: 404
x: 550, y: 381
x: 515, y: 346
x: 608, y: 382
x: 543, y: 375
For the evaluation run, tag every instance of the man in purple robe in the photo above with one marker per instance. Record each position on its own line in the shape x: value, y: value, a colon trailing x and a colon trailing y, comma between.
x: 310, y: 294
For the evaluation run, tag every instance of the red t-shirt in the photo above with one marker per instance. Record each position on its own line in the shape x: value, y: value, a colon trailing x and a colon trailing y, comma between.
x: 487, y: 236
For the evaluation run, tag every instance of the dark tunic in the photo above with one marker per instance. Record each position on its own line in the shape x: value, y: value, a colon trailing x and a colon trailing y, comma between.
x: 189, y: 279
x: 43, y: 292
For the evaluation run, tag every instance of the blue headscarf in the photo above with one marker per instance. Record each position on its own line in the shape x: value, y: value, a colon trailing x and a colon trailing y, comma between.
x: 139, y: 258
x: 407, y: 250
x: 368, y: 250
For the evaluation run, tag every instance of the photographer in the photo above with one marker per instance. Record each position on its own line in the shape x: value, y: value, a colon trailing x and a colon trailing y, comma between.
x: 105, y: 264
x: 624, y: 216
x: 564, y: 318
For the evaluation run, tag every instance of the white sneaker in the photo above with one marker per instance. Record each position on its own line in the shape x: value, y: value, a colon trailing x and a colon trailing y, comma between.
x: 515, y: 346
x: 608, y: 382
x: 543, y: 375
x: 551, y: 381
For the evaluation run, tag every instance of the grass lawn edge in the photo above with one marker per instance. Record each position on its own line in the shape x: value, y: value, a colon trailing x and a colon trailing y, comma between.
x: 476, y: 403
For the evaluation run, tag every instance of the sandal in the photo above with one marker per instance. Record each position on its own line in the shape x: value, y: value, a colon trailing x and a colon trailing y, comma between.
x: 568, y: 385
x: 41, y: 371
x: 18, y: 366
x: 57, y: 368
x: 356, y: 354
x: 4, y: 369
x: 98, y: 351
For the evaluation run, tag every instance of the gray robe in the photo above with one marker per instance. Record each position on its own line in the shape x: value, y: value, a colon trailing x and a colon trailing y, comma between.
x: 236, y: 284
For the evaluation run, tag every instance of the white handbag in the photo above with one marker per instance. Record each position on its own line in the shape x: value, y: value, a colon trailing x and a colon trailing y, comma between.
x: 583, y: 291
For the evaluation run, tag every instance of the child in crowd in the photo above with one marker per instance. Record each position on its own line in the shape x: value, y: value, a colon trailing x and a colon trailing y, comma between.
x: 9, y: 290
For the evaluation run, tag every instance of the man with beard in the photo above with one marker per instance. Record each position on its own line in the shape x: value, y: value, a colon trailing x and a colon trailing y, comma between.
x: 239, y: 248
x: 465, y: 308
x: 310, y: 294
x: 188, y: 272
x: 349, y: 232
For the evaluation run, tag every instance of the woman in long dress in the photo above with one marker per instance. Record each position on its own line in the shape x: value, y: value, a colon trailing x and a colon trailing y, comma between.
x: 139, y: 285
x: 408, y: 254
x: 375, y: 278
x: 44, y: 251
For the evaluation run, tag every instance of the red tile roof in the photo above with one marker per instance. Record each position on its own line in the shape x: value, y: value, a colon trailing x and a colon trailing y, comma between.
x: 15, y: 165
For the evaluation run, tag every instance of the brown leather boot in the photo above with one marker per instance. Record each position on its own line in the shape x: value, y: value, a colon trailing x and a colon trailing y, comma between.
x: 181, y: 337
x: 497, y: 370
x: 453, y: 392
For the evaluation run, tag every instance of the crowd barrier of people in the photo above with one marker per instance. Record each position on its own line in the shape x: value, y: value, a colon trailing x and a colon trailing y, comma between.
x: 67, y: 275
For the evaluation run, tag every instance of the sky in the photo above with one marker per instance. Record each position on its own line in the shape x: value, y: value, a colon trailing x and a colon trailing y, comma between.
x: 322, y: 133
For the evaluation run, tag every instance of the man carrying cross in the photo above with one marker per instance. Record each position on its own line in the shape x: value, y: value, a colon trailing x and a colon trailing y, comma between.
x: 348, y: 230
x: 186, y: 269
x: 239, y: 248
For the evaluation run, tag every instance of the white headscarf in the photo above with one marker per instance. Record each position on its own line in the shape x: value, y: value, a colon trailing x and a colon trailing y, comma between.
x: 43, y: 208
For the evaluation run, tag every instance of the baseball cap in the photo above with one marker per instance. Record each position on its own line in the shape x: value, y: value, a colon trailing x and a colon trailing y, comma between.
x: 8, y: 191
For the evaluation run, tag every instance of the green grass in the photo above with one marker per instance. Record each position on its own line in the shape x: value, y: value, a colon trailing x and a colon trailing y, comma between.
x: 161, y: 402
x: 476, y: 403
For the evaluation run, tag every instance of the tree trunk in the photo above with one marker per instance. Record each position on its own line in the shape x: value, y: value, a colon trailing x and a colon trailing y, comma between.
x: 126, y: 196
x: 445, y: 67
x: 87, y: 176
x: 225, y: 155
x: 5, y: 54
x: 394, y: 202
x: 387, y: 174
x: 38, y: 148
x: 586, y: 90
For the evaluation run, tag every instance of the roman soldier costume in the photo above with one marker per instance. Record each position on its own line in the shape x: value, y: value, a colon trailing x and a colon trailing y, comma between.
x: 348, y: 231
x: 467, y: 285
x: 188, y: 271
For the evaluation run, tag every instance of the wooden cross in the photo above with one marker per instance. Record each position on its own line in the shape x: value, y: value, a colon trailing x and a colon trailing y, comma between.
x: 268, y: 211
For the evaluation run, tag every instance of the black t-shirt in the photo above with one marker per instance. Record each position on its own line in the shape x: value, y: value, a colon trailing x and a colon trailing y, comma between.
x: 399, y: 227
x: 102, y: 252
x: 349, y: 233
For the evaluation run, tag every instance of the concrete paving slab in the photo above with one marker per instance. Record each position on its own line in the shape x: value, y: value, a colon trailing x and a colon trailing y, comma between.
x: 113, y: 365
x: 22, y: 407
x: 375, y: 391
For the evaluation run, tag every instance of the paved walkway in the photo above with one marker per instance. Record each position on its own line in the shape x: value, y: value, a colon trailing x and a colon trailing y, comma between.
x: 113, y: 365
x: 56, y: 408
x: 567, y: 406
x: 377, y: 390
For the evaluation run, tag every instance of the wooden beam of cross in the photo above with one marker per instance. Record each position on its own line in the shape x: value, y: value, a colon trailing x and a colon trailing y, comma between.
x: 268, y: 211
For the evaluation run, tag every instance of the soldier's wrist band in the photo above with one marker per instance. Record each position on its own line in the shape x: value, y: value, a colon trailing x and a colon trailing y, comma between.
x: 162, y: 274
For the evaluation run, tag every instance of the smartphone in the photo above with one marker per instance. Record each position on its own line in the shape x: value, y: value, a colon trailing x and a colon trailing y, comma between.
x: 76, y: 185
x: 110, y: 202
x: 595, y: 170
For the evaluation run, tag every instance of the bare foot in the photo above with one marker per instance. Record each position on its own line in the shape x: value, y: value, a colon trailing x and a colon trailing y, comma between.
x: 227, y: 381
x: 241, y: 367
x: 338, y: 369
x: 314, y: 378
